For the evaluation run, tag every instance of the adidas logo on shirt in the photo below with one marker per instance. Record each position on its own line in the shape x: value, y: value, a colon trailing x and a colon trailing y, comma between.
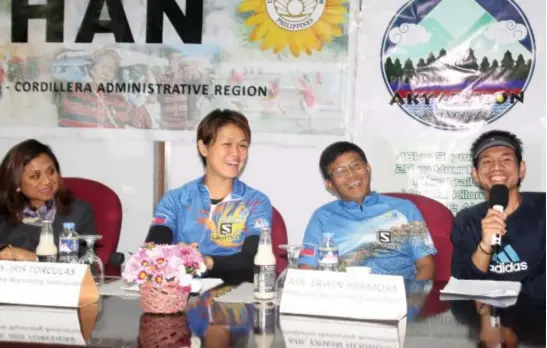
x: 507, y: 261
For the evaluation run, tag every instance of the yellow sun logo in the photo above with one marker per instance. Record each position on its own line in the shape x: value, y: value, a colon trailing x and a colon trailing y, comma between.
x: 302, y: 25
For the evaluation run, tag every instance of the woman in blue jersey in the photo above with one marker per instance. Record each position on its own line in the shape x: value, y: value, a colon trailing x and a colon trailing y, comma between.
x: 217, y: 212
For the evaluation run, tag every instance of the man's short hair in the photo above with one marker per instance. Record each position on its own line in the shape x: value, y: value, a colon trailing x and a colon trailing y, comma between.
x: 496, y: 138
x: 212, y: 123
x: 333, y: 151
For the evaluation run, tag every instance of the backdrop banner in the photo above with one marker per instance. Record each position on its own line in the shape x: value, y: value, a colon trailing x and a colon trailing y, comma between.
x: 412, y: 82
x: 435, y: 74
x: 164, y: 64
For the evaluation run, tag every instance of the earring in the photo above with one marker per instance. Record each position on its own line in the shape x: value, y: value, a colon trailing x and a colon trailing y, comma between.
x: 18, y: 189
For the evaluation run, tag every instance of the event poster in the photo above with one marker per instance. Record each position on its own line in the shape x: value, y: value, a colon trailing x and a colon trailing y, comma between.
x: 164, y: 64
x: 412, y: 82
x: 435, y: 74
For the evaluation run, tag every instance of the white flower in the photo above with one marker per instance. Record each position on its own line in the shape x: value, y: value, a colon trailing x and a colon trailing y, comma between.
x: 154, y: 253
x: 184, y: 278
x: 202, y: 269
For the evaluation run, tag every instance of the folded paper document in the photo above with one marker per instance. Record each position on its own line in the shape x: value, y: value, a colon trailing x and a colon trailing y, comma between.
x: 121, y: 288
x: 500, y: 302
x: 481, y: 288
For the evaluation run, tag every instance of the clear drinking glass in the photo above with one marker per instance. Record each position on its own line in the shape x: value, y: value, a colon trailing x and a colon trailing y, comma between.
x: 293, y: 252
x: 93, y: 261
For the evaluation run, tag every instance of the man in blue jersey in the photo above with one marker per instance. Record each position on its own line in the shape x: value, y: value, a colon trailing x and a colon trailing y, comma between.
x: 383, y: 233
x: 497, y: 160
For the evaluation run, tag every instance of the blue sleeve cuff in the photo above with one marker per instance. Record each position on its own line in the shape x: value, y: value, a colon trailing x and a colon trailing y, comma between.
x: 307, y: 260
x: 429, y: 252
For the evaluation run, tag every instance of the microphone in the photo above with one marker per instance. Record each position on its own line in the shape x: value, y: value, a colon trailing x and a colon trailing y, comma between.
x: 499, y: 198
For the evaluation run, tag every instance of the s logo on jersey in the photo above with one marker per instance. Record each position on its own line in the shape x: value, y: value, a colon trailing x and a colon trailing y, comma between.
x: 225, y: 229
x: 384, y: 236
x: 507, y: 261
x: 227, y: 224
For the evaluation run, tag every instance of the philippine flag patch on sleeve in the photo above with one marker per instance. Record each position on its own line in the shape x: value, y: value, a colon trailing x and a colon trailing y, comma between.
x: 307, y: 250
x: 159, y: 219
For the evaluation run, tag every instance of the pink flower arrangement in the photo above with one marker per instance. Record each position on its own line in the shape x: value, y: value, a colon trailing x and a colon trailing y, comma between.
x: 160, y: 263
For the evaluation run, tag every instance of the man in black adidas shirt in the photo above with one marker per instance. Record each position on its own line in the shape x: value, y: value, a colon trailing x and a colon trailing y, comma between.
x: 497, y: 159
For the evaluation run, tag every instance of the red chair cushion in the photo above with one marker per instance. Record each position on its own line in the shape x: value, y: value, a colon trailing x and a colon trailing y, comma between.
x: 439, y: 220
x: 279, y: 237
x: 107, y: 209
x: 433, y: 304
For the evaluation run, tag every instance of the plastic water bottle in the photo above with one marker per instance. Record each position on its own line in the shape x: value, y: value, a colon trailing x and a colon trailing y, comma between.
x: 264, y: 270
x: 327, y: 253
x: 68, y: 244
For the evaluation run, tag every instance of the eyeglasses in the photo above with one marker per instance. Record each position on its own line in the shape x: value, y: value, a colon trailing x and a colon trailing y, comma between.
x: 342, y: 172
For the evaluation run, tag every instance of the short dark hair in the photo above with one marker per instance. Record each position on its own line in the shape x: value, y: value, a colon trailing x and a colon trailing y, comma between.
x: 210, y: 125
x: 12, y: 202
x: 333, y: 151
x: 496, y: 138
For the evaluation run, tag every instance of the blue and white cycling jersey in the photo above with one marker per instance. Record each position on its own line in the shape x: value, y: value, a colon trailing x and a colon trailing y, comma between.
x: 387, y: 234
x: 219, y: 229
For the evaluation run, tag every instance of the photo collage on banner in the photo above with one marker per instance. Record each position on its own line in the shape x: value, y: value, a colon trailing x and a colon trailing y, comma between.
x: 412, y: 82
x: 282, y: 63
x: 444, y: 72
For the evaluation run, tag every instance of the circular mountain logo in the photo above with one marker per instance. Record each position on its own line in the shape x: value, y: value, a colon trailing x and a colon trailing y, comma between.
x: 458, y: 64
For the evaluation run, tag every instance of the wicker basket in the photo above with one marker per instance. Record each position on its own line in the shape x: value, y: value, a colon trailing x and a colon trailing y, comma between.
x: 168, y: 299
x: 164, y: 331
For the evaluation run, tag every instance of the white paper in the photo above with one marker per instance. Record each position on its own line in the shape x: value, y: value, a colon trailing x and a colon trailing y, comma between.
x: 243, y: 293
x: 496, y: 302
x: 342, y: 295
x: 482, y: 288
x: 299, y: 331
x: 115, y: 288
x: 41, y: 283
x: 121, y: 288
x: 40, y: 325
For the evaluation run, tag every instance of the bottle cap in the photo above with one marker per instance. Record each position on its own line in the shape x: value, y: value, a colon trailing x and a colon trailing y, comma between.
x: 68, y: 225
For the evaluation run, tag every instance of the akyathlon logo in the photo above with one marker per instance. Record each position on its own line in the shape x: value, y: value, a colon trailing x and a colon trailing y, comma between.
x: 457, y: 64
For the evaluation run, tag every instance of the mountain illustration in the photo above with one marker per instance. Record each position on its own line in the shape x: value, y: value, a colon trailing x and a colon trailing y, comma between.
x: 458, y: 54
x: 440, y: 38
x: 476, y: 28
x: 474, y: 37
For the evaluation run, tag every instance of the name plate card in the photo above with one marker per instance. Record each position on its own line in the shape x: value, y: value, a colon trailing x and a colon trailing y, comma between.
x: 46, y: 284
x: 319, y: 332
x: 343, y: 295
x: 70, y: 326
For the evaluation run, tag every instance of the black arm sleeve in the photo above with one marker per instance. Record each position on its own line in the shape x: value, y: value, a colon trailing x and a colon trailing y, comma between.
x: 238, y: 267
x: 159, y: 234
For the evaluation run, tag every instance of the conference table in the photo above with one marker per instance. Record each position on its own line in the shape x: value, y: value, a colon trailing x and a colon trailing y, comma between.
x: 119, y: 322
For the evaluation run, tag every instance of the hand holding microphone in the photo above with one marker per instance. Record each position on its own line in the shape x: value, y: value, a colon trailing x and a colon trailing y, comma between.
x: 493, y: 224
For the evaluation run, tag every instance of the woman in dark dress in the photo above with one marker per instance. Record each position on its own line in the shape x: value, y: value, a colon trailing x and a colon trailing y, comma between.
x: 32, y: 190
